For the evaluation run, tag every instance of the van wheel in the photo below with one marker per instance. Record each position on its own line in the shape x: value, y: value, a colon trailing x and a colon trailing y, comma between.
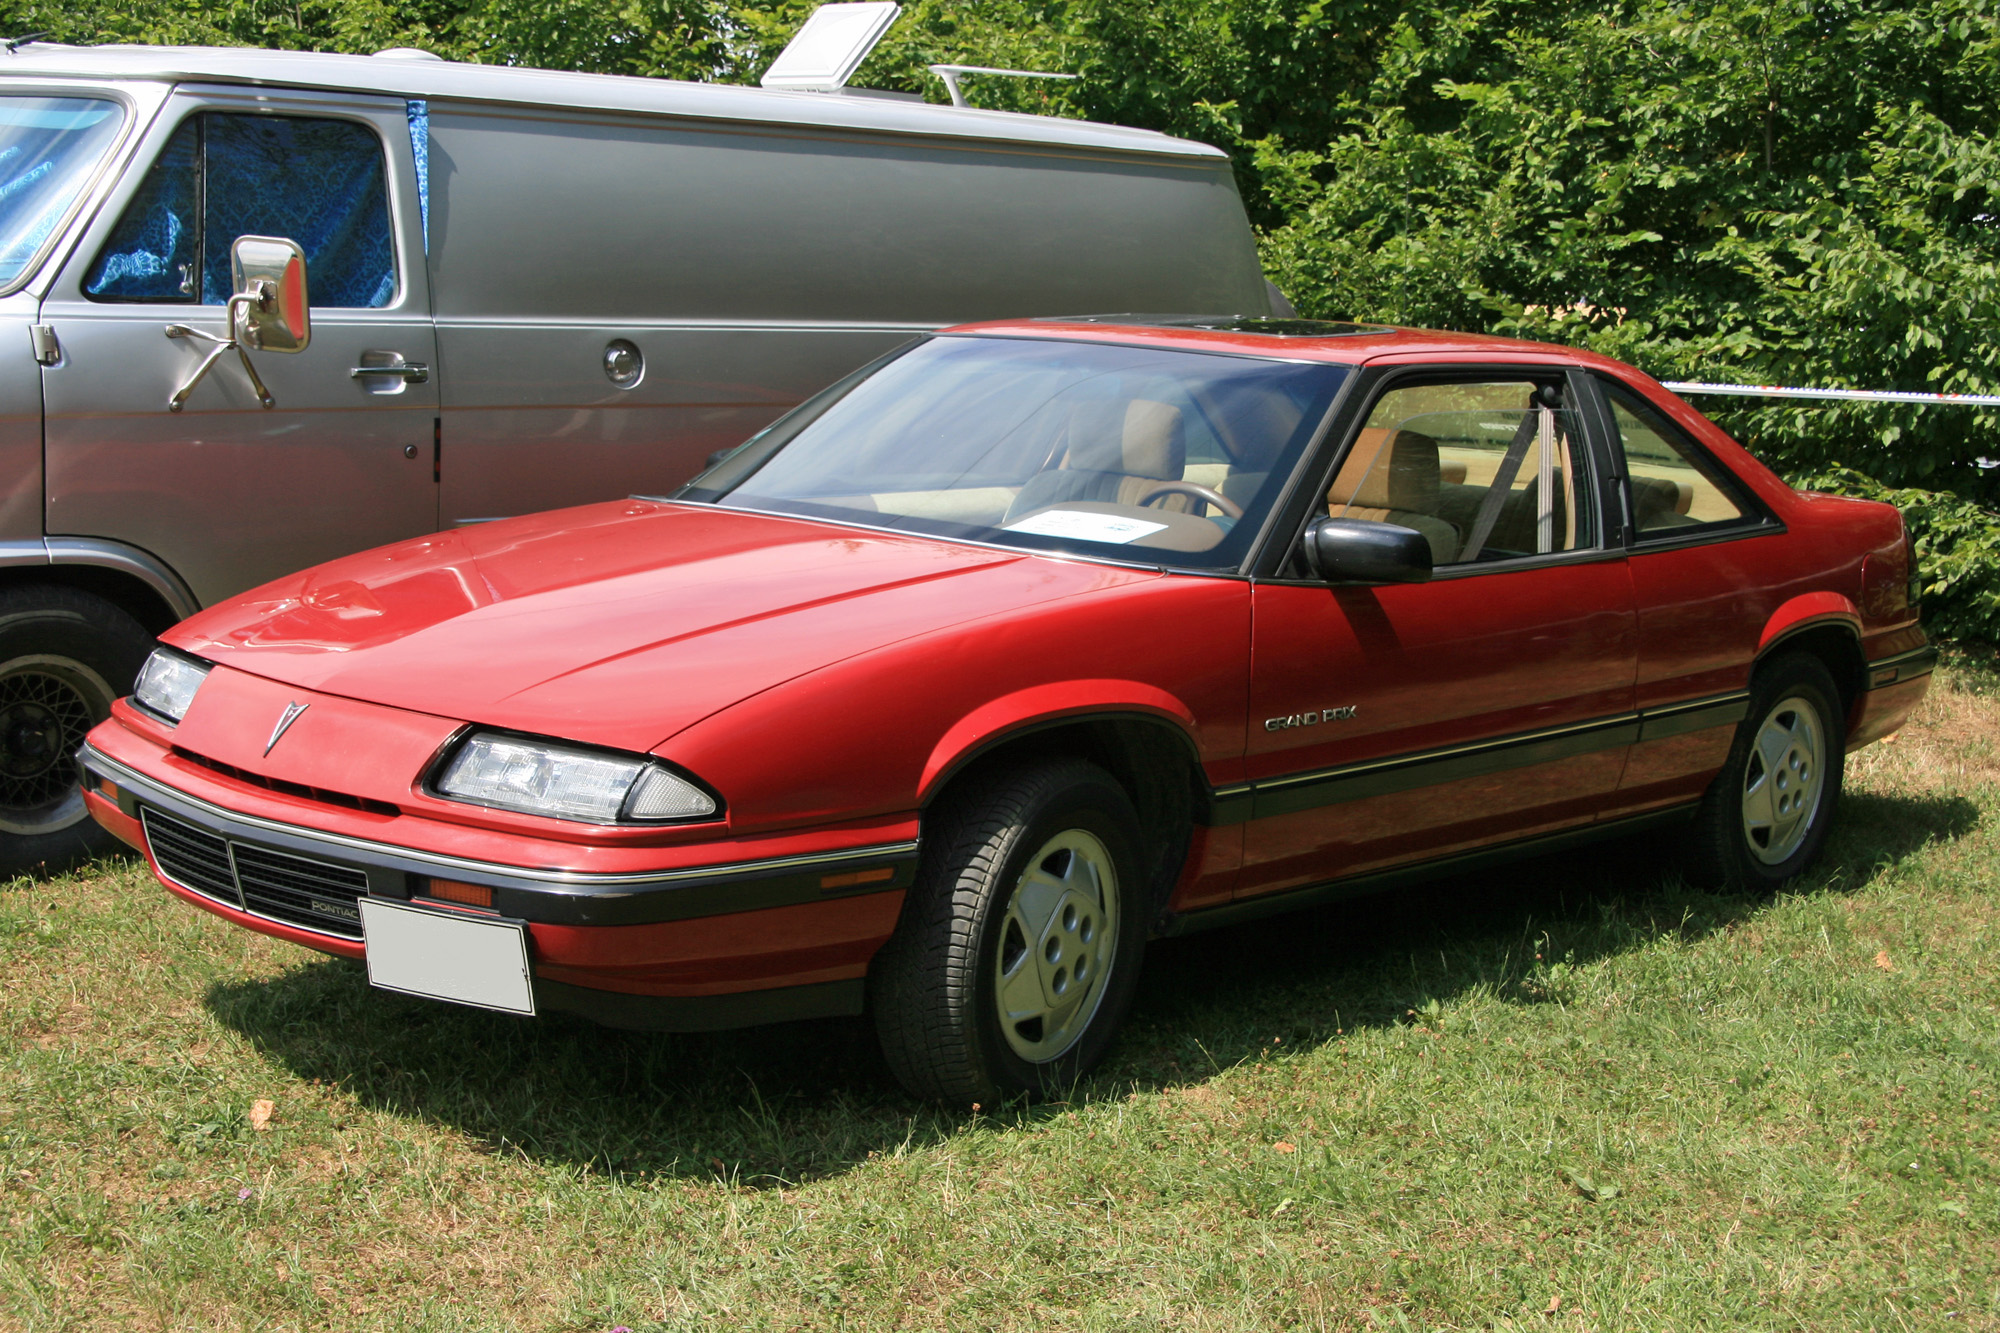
x: 1768, y: 812
x: 1021, y: 940
x: 64, y: 656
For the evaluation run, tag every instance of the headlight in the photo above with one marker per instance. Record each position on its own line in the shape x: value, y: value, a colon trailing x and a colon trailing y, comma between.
x: 167, y: 683
x: 567, y: 782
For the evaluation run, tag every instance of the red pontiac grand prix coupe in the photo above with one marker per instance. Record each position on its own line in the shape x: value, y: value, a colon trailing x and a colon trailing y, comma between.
x: 1034, y: 640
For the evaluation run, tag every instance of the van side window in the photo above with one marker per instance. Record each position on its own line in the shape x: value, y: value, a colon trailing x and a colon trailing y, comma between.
x: 1482, y: 470
x: 322, y: 183
x: 1673, y: 485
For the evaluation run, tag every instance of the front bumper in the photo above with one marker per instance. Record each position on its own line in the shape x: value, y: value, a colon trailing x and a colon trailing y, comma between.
x: 682, y: 948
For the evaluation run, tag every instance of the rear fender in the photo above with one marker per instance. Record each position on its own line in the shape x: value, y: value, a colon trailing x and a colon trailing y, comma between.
x: 1812, y: 610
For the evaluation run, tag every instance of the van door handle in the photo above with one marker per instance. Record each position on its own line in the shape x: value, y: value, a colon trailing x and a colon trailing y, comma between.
x: 410, y: 372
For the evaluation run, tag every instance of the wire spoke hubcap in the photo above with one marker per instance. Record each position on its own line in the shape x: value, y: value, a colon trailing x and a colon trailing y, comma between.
x: 47, y: 706
x: 1784, y: 780
x: 1057, y: 939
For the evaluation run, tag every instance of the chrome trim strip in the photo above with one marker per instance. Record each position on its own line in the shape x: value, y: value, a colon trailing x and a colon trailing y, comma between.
x: 1449, y: 752
x: 32, y: 552
x: 1913, y: 665
x: 616, y: 324
x: 1692, y: 715
x: 145, y: 786
x: 1393, y: 773
x: 1692, y: 705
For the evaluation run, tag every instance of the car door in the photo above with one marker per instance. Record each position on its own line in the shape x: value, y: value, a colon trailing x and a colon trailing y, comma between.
x: 1704, y: 586
x: 228, y: 492
x: 1400, y: 723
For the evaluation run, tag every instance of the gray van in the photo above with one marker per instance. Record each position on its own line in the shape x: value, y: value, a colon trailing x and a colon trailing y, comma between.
x: 467, y: 292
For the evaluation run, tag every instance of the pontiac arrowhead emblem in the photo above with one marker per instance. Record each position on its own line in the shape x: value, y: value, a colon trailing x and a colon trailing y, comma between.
x: 292, y: 712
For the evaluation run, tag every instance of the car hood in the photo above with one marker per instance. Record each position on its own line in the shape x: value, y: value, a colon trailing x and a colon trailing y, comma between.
x: 617, y: 624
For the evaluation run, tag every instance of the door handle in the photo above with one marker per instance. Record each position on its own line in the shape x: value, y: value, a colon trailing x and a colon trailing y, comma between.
x: 410, y: 372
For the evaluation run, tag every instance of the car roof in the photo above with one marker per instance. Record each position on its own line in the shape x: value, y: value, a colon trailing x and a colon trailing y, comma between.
x: 427, y: 78
x: 1347, y: 343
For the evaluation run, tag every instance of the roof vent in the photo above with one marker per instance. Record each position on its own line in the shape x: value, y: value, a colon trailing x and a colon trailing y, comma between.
x: 406, y: 53
x: 823, y: 55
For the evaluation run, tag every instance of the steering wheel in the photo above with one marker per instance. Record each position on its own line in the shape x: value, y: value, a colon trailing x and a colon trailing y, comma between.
x: 1202, y: 493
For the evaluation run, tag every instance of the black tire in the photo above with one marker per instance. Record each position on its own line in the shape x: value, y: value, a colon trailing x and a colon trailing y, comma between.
x: 1745, y: 840
x: 936, y: 987
x: 64, y: 656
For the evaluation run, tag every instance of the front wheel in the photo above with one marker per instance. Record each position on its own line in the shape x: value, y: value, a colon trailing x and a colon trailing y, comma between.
x: 64, y: 656
x: 1768, y: 812
x: 1021, y: 940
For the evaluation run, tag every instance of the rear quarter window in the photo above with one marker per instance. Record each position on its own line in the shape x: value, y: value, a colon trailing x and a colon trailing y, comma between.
x: 1676, y: 489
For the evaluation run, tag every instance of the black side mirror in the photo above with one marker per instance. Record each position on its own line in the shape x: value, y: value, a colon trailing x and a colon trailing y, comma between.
x: 1353, y: 550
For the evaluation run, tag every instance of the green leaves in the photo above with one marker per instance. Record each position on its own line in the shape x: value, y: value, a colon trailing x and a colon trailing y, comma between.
x: 1794, y: 192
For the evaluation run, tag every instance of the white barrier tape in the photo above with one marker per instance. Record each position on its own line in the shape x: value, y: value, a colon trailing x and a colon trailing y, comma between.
x: 1846, y: 395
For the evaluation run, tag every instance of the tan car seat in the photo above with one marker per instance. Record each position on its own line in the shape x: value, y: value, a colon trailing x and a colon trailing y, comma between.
x: 1660, y: 503
x: 1392, y: 477
x: 1118, y: 451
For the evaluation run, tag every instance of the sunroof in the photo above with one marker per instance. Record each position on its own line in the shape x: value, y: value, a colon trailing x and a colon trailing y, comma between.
x: 1270, y: 326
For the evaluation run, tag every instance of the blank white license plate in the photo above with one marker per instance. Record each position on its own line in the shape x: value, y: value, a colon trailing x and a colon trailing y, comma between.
x: 443, y: 956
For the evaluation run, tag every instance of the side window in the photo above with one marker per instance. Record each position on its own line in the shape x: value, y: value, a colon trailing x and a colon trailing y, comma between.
x: 1486, y: 471
x: 1674, y: 486
x: 153, y: 256
x: 323, y: 183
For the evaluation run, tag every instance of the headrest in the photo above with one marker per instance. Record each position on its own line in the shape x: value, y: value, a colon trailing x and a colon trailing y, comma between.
x: 1139, y: 438
x: 1381, y: 472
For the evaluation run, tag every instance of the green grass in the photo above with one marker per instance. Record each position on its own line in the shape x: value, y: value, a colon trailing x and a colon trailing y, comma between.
x: 1579, y: 1095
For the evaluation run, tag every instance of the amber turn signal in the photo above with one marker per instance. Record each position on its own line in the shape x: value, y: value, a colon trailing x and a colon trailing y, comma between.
x: 853, y: 877
x: 108, y: 790
x: 472, y: 895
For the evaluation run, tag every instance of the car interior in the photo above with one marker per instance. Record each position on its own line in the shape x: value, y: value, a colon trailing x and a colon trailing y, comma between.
x: 1164, y: 456
x: 1484, y: 471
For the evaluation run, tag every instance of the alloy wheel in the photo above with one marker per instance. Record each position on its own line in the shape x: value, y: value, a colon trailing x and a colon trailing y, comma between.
x: 1057, y: 939
x: 1784, y: 780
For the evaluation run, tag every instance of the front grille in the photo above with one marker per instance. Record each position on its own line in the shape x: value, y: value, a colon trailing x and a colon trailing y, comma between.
x: 306, y: 893
x: 192, y: 858
x: 296, y: 890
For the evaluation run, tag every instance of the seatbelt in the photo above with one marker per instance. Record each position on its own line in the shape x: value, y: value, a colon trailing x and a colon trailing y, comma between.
x: 1545, y: 502
x: 1503, y: 481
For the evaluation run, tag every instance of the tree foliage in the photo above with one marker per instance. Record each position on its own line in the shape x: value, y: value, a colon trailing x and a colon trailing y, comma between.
x: 1763, y: 191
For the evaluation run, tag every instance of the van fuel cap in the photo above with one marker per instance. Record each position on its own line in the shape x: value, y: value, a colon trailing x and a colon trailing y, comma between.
x: 623, y: 365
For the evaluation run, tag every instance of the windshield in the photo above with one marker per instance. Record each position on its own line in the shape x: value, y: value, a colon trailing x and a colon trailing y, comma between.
x: 49, y: 146
x: 1164, y: 457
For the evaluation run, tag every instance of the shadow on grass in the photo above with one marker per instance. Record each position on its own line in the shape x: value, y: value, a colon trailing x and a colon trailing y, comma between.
x: 798, y: 1101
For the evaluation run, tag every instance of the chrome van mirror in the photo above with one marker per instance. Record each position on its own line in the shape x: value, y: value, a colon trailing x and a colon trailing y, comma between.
x: 1353, y: 550
x: 268, y: 275
x: 269, y: 311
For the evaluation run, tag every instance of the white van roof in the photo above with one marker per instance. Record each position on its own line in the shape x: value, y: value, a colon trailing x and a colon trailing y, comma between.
x: 417, y: 78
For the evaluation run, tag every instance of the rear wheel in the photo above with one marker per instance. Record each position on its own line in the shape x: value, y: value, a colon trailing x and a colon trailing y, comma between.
x: 1768, y: 812
x: 1020, y: 942
x: 64, y: 656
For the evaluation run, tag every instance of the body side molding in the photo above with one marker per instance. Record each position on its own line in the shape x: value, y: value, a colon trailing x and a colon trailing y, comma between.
x: 1291, y: 792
